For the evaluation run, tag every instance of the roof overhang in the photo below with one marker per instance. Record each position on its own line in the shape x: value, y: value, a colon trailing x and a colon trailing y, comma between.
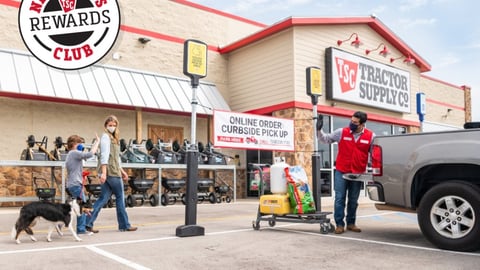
x: 372, y: 22
x: 23, y: 76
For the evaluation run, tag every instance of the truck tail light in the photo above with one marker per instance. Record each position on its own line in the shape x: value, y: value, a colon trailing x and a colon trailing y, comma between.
x: 377, y: 160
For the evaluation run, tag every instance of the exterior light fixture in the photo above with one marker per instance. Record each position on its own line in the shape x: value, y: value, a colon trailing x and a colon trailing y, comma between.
x: 383, y: 52
x: 355, y: 43
x: 408, y: 59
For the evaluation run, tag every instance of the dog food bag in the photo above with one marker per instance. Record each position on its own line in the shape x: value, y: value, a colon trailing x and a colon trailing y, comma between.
x: 301, y: 197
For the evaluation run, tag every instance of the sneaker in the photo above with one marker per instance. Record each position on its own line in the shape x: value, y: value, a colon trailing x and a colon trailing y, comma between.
x: 339, y: 230
x: 92, y: 230
x: 85, y: 233
x: 353, y: 228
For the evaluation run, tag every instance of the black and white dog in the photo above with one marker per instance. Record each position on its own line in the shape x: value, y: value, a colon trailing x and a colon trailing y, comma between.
x: 56, y: 213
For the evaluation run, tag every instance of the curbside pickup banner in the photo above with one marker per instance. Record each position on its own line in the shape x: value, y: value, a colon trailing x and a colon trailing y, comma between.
x: 251, y: 131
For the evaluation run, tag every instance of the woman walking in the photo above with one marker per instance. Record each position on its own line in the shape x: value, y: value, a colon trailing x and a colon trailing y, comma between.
x: 111, y: 173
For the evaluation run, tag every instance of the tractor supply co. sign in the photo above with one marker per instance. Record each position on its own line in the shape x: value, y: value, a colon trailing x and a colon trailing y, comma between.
x: 69, y: 34
x: 250, y: 131
x: 358, y: 80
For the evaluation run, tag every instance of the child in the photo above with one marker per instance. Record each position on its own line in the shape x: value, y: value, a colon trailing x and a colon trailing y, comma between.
x: 74, y: 165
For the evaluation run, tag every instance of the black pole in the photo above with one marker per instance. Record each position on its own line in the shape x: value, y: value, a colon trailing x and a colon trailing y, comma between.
x: 316, y: 160
x: 190, y: 228
x: 191, y: 196
x: 316, y: 180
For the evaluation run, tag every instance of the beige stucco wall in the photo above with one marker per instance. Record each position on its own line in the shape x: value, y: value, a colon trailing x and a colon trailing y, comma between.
x: 260, y: 74
x: 178, y: 21
x: 440, y: 98
x: 159, y: 56
x: 266, y: 73
x: 20, y: 118
x: 272, y: 71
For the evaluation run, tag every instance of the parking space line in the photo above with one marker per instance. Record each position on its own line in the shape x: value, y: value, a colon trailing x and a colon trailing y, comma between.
x: 117, y: 258
x: 97, y: 246
x: 378, y: 242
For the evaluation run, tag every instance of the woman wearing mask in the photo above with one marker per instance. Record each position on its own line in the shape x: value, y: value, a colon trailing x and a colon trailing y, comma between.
x: 111, y: 173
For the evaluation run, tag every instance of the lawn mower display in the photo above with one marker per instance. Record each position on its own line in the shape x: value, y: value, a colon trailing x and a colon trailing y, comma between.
x: 139, y: 191
x: 173, y: 191
x: 36, y: 154
x: 134, y: 152
x: 43, y: 191
x: 160, y: 152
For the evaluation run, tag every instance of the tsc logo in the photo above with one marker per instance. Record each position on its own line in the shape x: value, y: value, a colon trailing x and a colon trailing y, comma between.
x: 69, y: 34
x: 347, y: 74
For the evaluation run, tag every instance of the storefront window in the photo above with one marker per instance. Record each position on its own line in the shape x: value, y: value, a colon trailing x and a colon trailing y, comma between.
x: 380, y: 129
x: 324, y: 149
x: 258, y: 172
x: 327, y: 152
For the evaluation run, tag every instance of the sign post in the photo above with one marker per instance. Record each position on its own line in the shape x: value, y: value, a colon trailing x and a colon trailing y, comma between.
x: 421, y: 108
x: 194, y: 66
x: 314, y: 90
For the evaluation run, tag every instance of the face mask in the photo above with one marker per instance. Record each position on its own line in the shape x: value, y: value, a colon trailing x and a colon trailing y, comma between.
x: 353, y: 127
x: 80, y: 147
x: 111, y: 129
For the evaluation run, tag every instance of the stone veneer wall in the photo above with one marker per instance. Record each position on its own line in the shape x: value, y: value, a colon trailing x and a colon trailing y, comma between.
x: 18, y: 181
x: 468, y: 103
x: 302, y: 156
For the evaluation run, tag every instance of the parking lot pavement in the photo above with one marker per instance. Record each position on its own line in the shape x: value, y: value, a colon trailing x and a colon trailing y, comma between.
x: 389, y: 240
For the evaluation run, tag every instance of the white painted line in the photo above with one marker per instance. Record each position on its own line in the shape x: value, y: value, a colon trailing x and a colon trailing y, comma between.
x: 382, y: 243
x: 379, y: 214
x: 94, y: 248
x: 117, y: 258
x: 86, y: 246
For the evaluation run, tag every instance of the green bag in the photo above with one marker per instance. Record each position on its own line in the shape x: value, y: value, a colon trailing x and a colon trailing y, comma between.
x: 301, y: 197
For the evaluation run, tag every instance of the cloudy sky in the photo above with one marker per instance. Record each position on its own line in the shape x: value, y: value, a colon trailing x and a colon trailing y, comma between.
x: 446, y: 33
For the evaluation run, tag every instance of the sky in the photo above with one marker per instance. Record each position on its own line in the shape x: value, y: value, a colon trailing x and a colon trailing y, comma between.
x: 445, y: 33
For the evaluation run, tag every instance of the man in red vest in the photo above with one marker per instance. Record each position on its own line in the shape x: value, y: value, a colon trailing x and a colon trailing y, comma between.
x: 354, y: 144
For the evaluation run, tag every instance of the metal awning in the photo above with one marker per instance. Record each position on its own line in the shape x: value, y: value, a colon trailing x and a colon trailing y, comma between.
x: 22, y: 74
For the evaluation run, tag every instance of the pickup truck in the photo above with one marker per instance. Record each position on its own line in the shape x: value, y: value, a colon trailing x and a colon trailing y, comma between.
x: 436, y: 175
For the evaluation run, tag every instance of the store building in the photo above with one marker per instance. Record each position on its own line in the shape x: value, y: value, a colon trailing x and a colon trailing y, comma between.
x: 252, y: 68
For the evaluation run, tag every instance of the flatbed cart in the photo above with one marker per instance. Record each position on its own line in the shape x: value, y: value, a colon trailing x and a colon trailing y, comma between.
x: 318, y: 217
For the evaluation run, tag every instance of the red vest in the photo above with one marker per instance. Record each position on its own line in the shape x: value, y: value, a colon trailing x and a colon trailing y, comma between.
x: 352, y: 156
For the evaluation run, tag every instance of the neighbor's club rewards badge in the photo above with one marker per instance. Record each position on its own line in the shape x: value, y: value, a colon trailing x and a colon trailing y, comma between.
x: 69, y: 34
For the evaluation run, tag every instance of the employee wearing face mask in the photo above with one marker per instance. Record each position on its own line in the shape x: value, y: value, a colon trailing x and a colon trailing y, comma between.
x: 354, y: 144
x: 111, y: 173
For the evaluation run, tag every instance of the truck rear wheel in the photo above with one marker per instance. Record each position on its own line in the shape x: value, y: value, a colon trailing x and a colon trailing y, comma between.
x: 449, y: 216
